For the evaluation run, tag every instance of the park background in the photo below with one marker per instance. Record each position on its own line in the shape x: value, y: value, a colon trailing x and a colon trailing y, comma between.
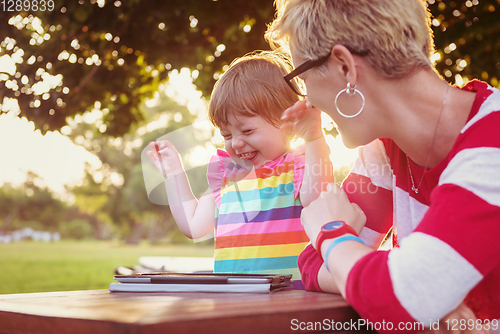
x: 84, y: 87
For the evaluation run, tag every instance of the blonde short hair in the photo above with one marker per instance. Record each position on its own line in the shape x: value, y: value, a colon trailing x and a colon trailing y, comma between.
x: 253, y: 85
x: 396, y: 33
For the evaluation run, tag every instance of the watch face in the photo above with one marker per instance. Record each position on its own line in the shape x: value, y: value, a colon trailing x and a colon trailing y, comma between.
x: 333, y: 225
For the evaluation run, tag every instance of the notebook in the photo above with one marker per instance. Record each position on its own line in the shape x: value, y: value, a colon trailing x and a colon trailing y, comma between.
x: 201, y: 282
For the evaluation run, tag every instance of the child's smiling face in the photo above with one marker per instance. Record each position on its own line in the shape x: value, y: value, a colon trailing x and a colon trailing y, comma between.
x: 252, y: 141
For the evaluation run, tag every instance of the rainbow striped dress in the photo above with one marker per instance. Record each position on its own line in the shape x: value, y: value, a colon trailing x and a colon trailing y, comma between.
x: 257, y: 228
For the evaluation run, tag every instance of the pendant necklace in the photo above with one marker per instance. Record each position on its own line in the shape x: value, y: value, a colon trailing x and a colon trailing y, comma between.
x: 413, y: 187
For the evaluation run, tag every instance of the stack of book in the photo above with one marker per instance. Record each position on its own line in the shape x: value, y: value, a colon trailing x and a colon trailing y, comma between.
x: 200, y: 282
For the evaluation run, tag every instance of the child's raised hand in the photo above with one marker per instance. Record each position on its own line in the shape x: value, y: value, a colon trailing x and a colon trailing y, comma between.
x: 303, y: 121
x: 169, y: 156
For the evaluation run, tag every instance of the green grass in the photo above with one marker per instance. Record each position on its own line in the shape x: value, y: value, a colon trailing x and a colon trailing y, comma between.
x: 75, y: 265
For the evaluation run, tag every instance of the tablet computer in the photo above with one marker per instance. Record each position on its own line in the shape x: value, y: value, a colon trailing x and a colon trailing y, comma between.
x: 204, y: 278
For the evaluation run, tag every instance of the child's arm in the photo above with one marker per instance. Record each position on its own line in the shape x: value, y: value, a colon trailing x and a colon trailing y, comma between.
x: 194, y: 218
x: 318, y: 171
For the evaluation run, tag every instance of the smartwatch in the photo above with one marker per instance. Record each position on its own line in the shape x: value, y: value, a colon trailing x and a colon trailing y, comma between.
x: 332, y: 230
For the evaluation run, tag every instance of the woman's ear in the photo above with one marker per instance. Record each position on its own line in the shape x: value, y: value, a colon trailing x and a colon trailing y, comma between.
x: 344, y: 63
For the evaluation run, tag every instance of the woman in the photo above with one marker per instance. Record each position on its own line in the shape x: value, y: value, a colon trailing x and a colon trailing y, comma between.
x: 428, y: 168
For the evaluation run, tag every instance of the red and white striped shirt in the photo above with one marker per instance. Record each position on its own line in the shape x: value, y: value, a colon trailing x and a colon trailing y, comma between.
x: 446, y: 234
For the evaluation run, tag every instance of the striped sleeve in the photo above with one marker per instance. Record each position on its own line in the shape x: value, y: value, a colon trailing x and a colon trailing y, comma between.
x: 454, y: 250
x: 369, y: 185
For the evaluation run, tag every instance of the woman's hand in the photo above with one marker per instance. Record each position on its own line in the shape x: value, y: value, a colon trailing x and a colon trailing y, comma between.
x: 331, y: 205
x: 302, y: 121
x: 169, y: 156
x: 456, y: 317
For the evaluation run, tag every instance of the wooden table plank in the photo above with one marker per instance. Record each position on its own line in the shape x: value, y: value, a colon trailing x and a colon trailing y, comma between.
x: 100, y: 311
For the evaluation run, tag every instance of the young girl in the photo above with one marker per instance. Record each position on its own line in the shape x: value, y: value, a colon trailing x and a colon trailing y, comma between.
x: 257, y: 186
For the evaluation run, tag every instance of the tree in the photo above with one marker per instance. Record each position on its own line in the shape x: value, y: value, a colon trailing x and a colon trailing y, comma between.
x: 466, y: 37
x: 118, y: 52
x: 28, y: 204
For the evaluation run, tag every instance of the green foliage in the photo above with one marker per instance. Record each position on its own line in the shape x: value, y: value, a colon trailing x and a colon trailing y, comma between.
x: 77, y: 229
x: 466, y: 36
x: 30, y: 206
x: 21, y: 224
x: 118, y: 54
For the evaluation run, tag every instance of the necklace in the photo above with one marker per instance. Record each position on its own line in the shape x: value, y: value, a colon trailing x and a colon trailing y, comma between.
x: 415, y: 189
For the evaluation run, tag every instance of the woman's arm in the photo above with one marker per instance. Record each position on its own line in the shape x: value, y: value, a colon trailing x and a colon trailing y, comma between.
x: 347, y: 255
x: 313, y: 271
x: 334, y: 205
x: 436, y: 266
x: 325, y: 281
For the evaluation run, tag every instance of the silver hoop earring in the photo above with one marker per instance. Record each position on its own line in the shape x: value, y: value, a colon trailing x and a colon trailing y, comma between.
x: 350, y: 90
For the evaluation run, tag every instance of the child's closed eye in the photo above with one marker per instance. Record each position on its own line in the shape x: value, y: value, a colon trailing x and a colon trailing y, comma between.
x: 247, y: 132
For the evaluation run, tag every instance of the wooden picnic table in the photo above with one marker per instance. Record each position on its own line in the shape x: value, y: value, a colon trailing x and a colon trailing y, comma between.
x: 101, y: 311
